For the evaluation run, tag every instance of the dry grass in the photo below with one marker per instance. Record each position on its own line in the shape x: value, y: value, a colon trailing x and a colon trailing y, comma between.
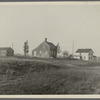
x: 39, y: 76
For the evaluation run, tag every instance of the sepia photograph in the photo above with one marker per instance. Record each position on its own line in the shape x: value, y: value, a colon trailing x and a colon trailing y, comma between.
x: 49, y: 48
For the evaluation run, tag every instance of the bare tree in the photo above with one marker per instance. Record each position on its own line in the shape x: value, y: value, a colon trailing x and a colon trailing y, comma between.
x: 58, y: 48
x: 65, y: 54
x: 26, y: 48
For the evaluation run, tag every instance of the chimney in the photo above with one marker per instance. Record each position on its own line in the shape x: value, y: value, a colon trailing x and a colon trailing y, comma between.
x: 45, y: 39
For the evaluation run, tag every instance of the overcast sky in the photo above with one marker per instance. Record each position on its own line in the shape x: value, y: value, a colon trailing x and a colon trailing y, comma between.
x: 58, y: 23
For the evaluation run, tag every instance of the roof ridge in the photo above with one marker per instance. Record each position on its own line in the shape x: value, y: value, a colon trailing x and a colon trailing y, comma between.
x: 84, y: 50
x: 50, y: 43
x: 52, y: 46
x: 5, y: 47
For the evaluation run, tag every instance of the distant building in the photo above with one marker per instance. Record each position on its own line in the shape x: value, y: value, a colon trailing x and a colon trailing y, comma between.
x: 60, y: 55
x: 98, y: 59
x: 6, y: 51
x: 76, y: 56
x: 85, y: 54
x: 45, y: 50
x: 95, y: 58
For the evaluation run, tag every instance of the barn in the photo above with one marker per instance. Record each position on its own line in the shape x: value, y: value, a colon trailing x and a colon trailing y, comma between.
x: 45, y: 50
x: 6, y: 51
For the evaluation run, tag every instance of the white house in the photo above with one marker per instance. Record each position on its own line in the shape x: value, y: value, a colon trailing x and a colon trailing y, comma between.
x: 85, y: 54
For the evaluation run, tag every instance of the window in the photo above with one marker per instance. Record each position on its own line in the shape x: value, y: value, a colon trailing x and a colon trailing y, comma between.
x: 40, y: 51
x: 34, y: 53
x: 44, y: 47
x: 54, y: 53
x: 51, y: 52
x: 46, y: 52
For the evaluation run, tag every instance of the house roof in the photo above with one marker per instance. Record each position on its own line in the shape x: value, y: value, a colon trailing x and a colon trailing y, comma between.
x: 52, y: 46
x: 5, y: 48
x: 84, y: 50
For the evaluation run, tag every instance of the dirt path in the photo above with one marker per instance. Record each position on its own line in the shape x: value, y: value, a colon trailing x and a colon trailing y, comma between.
x: 85, y: 78
x: 51, y: 61
x: 96, y: 75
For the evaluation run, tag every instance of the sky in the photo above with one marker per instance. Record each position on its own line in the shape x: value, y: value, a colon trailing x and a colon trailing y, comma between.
x: 57, y: 23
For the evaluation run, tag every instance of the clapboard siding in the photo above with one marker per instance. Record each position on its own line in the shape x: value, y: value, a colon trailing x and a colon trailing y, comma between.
x: 45, y: 50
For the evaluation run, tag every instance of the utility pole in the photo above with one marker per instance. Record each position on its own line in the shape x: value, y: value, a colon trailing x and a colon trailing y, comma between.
x: 73, y: 48
x: 12, y: 45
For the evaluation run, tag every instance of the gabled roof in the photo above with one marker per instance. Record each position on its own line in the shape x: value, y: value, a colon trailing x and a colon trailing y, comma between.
x: 52, y: 46
x: 5, y: 48
x: 84, y: 50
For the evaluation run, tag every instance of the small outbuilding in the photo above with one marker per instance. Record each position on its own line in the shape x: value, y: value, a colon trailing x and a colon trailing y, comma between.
x: 6, y: 51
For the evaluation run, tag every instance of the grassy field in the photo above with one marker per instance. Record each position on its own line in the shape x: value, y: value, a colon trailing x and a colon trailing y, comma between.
x: 48, y: 76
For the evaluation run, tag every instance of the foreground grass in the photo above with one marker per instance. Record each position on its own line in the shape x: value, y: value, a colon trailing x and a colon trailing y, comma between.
x: 34, y: 77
